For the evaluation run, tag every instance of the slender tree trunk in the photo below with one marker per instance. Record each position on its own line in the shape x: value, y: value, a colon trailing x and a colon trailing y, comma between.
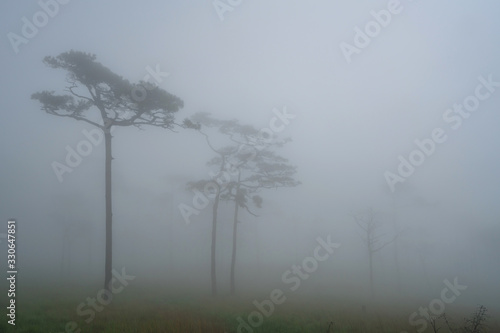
x: 396, y: 245
x: 171, y: 245
x: 235, y: 232
x: 89, y: 254
x: 64, y: 253
x: 70, y: 278
x: 371, y: 273
x: 214, y: 237
x: 396, y: 261
x: 421, y: 256
x: 109, y: 214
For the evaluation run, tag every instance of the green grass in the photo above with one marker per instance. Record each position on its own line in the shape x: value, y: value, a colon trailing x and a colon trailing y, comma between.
x: 153, y: 312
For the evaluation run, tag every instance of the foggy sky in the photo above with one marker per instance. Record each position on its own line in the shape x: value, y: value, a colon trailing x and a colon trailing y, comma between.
x: 352, y: 122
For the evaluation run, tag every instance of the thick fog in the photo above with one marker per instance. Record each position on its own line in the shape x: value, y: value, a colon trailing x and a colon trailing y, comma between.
x: 392, y: 118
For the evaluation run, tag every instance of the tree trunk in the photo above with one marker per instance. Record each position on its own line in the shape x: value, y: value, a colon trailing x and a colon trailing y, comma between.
x: 396, y: 261
x: 371, y: 273
x: 109, y: 214
x: 214, y: 237
x: 64, y: 256
x: 396, y: 246
x: 235, y: 232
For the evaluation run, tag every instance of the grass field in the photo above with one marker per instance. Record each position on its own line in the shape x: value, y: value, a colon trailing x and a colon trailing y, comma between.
x: 151, y: 311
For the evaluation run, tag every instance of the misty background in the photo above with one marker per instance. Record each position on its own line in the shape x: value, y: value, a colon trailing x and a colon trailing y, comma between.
x: 352, y: 122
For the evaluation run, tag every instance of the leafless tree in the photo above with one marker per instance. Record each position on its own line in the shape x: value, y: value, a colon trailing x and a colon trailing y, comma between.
x: 474, y: 324
x: 372, y: 238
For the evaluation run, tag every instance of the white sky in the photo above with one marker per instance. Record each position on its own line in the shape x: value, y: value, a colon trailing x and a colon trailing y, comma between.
x: 352, y: 120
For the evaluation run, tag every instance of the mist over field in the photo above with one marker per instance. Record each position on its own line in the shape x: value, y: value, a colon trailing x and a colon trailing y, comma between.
x: 241, y: 164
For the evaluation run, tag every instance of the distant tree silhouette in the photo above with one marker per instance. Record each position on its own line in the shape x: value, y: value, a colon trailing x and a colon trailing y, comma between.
x: 370, y: 226
x: 263, y: 169
x: 203, y: 120
x: 247, y: 166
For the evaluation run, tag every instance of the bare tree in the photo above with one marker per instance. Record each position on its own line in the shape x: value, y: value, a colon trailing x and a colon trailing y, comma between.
x: 433, y: 321
x: 372, y: 239
x: 476, y: 323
